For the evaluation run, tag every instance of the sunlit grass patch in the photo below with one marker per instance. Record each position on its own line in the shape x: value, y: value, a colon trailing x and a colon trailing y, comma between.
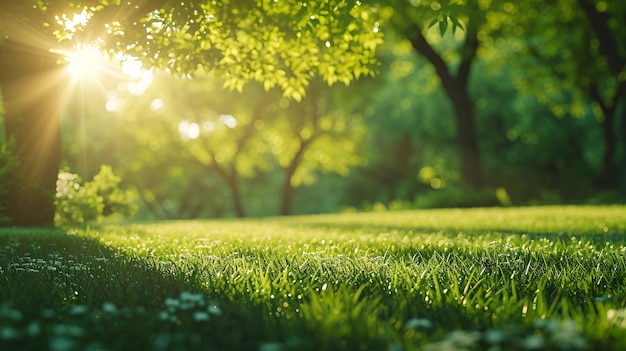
x: 538, y: 278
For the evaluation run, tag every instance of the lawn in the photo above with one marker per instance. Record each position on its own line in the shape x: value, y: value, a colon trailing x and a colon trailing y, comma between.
x: 534, y: 278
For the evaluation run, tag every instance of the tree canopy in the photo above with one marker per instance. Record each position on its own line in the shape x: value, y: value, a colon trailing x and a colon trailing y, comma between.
x: 277, y: 43
x: 567, y: 55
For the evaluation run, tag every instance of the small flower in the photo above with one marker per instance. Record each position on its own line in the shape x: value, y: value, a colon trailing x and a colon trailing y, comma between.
x: 10, y: 313
x: 33, y: 329
x: 169, y: 302
x: 214, y: 309
x: 61, y: 343
x: 68, y: 330
x: 568, y: 337
x: 418, y: 323
x: 109, y: 307
x: 8, y: 333
x: 534, y: 342
x: 78, y: 309
x: 200, y: 316
x: 463, y: 338
x: 444, y: 345
x: 494, y: 336
x: 186, y: 296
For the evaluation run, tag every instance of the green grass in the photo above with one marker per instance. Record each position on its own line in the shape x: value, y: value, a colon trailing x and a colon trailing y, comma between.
x: 536, y: 278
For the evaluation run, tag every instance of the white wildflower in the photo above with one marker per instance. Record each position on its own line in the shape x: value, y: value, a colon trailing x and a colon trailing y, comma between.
x: 418, y: 323
x: 463, y: 338
x: 214, y: 309
x: 494, y: 336
x: 534, y: 342
x: 33, y: 329
x: 109, y: 307
x: 61, y: 343
x: 78, y: 309
x: 200, y: 316
x: 8, y: 333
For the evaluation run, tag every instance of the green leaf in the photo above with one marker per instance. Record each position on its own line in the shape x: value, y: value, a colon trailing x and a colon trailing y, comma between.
x: 443, y: 25
x: 433, y: 22
x: 456, y: 23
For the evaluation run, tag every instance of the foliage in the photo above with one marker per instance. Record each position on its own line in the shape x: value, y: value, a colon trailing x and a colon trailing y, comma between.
x: 455, y: 197
x: 8, y: 164
x: 197, y: 130
x: 543, y: 278
x: 78, y: 202
x: 277, y: 43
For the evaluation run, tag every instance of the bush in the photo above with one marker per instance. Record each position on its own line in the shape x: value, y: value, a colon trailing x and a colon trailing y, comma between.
x: 77, y: 203
x: 457, y: 197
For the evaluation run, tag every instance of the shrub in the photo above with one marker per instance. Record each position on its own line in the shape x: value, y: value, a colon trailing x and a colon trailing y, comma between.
x: 457, y: 197
x: 78, y: 202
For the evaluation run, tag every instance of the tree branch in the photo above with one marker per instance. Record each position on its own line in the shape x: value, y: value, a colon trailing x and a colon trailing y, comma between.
x: 608, y: 44
x: 421, y: 45
x: 468, y: 54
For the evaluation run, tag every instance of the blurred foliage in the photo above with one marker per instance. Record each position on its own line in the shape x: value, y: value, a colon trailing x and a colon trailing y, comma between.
x: 8, y: 165
x: 78, y: 202
x: 541, y: 85
x: 164, y: 140
x: 276, y: 43
x: 197, y: 145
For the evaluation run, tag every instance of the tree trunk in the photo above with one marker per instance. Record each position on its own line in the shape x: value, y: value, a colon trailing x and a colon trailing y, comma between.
x: 609, y: 47
x: 237, y: 201
x: 287, y: 196
x: 31, y: 118
x: 622, y: 162
x: 456, y: 88
x: 288, y: 188
x: 608, y: 167
x: 467, y: 139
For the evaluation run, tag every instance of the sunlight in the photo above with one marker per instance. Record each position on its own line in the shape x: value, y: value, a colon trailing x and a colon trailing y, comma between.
x: 156, y: 104
x: 228, y: 120
x: 188, y: 130
x: 71, y: 24
x: 85, y: 61
x: 140, y: 77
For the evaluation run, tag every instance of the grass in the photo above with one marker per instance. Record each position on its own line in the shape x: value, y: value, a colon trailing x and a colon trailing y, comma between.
x: 535, y: 278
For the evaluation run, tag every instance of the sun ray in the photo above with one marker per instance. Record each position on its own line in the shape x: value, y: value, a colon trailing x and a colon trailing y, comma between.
x: 81, y: 72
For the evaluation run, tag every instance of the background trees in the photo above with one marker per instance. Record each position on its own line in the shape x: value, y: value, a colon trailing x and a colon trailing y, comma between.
x: 503, y: 98
x: 278, y: 44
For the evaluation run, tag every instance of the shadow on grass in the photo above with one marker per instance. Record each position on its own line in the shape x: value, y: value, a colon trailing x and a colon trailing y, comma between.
x: 62, y: 291
x: 70, y: 292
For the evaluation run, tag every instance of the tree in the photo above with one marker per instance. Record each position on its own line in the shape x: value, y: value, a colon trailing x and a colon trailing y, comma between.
x: 31, y: 120
x: 412, y: 22
x: 316, y: 135
x: 582, y: 59
x: 240, y: 138
x: 277, y: 43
